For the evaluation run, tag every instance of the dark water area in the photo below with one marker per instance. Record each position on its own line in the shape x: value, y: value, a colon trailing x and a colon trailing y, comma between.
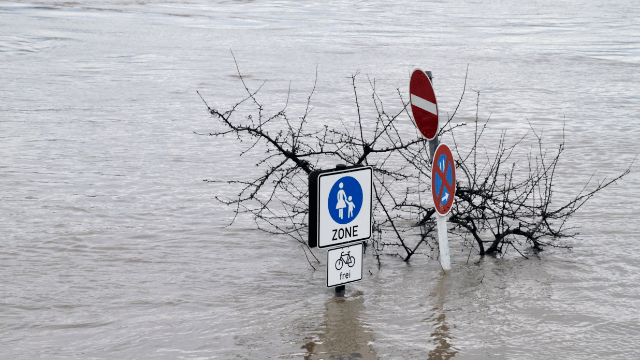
x: 113, y: 247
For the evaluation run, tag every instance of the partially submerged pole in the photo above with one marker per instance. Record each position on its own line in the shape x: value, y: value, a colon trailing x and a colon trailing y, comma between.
x: 443, y: 242
x: 340, y: 289
x: 443, y: 189
x: 425, y: 113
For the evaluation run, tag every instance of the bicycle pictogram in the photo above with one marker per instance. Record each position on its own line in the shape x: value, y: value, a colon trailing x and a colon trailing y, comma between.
x: 345, y: 259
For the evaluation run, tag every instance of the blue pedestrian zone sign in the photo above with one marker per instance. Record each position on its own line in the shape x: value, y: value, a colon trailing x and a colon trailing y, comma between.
x: 345, y: 200
x: 343, y: 206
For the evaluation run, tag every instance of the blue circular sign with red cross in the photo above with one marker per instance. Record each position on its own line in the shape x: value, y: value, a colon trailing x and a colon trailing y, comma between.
x: 443, y: 179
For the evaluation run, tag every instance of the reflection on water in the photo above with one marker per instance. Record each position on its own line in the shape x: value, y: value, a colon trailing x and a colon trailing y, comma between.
x: 441, y: 335
x: 345, y: 337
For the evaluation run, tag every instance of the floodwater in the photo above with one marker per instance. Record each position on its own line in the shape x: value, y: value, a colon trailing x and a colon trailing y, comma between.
x: 113, y: 247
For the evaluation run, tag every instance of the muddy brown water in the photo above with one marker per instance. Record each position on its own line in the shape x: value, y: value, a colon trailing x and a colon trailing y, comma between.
x: 113, y: 247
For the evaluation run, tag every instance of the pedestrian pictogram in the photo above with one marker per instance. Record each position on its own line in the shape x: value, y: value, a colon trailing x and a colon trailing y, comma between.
x: 423, y: 104
x: 345, y: 200
x: 443, y: 179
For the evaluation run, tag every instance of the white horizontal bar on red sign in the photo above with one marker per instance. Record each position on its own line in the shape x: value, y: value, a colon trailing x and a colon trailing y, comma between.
x: 423, y: 104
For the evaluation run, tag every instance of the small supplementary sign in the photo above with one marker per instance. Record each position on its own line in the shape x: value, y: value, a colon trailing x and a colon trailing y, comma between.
x: 344, y: 265
x: 424, y: 105
x: 343, y: 206
x: 443, y: 179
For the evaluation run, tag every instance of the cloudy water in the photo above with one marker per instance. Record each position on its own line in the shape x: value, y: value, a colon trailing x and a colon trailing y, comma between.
x: 112, y: 245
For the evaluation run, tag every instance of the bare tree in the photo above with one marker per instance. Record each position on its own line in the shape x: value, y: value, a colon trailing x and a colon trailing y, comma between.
x: 497, y: 204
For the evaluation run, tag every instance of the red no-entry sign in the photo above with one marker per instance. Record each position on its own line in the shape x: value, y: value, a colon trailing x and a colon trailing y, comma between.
x: 423, y: 104
x: 443, y: 179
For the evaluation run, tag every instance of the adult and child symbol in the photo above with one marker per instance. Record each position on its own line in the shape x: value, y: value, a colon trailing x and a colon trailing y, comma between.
x: 344, y: 202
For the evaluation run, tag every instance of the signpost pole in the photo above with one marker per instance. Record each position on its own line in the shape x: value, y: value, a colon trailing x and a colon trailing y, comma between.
x: 443, y: 189
x: 433, y: 143
x: 340, y: 290
x: 443, y: 173
x: 443, y: 242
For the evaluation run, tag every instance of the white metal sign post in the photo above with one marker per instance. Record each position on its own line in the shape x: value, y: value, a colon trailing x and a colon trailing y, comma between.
x: 344, y: 265
x: 443, y: 242
x: 443, y: 189
x: 443, y: 173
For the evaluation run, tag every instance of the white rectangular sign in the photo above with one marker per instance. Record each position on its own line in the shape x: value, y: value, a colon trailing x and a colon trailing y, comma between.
x: 344, y: 206
x: 344, y: 265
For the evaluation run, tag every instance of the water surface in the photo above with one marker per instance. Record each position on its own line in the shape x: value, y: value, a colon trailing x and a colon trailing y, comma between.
x: 113, y: 246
